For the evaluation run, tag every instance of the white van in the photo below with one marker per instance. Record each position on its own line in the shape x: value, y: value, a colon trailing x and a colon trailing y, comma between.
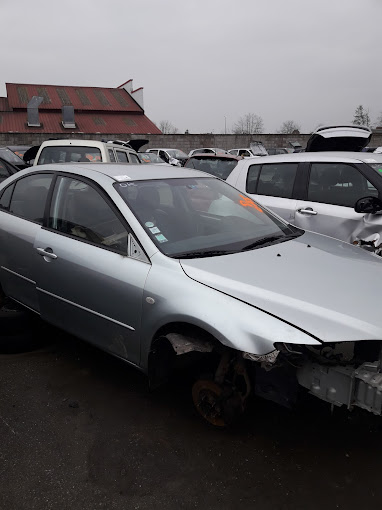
x: 84, y: 151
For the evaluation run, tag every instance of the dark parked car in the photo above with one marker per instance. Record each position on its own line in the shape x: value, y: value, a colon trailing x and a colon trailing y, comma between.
x: 220, y: 165
x: 6, y: 169
x: 11, y: 157
x: 19, y: 150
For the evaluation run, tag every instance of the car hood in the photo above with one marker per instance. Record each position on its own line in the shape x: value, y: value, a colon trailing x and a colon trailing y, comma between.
x: 339, y: 138
x: 321, y: 285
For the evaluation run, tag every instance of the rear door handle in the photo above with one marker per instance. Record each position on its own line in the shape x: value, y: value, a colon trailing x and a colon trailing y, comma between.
x: 309, y: 211
x: 45, y: 253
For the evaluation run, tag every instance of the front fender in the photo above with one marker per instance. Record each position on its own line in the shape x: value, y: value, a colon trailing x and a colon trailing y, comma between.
x: 170, y: 296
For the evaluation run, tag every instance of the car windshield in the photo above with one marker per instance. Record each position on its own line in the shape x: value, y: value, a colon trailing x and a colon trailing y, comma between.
x: 377, y: 167
x: 69, y: 154
x: 219, y: 167
x: 175, y: 153
x: 10, y: 157
x: 189, y: 218
x: 149, y: 157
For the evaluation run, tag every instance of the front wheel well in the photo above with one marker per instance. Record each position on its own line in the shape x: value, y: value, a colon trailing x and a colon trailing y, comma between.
x: 172, y: 342
x: 187, y: 330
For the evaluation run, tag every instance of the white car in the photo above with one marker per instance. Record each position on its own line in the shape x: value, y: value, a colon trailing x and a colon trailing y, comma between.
x: 244, y: 153
x: 207, y: 150
x: 173, y: 157
x: 84, y: 151
x: 254, y: 149
x: 317, y: 191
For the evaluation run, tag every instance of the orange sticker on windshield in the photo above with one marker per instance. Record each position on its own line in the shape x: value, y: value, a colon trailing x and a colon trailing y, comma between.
x: 247, y: 202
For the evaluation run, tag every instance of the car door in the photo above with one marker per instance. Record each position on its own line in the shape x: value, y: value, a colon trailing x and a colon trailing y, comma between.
x: 164, y: 156
x: 88, y: 284
x: 333, y: 189
x: 272, y: 185
x: 22, y: 206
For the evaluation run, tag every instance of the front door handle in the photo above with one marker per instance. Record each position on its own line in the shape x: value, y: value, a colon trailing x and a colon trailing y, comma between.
x: 309, y: 211
x: 46, y: 253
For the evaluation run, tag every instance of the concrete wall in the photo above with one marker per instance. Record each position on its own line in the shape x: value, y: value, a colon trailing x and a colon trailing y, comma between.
x: 184, y: 142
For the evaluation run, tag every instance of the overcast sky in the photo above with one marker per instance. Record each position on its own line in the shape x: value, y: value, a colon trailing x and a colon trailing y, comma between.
x: 205, y: 63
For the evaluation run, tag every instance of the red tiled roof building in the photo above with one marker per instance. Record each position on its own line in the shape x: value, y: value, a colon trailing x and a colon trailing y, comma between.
x: 96, y: 110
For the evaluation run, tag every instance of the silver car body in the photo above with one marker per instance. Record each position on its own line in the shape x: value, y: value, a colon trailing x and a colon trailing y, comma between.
x: 341, y: 222
x: 308, y: 291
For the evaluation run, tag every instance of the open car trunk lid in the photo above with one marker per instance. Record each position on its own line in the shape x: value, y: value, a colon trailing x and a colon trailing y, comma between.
x: 339, y: 138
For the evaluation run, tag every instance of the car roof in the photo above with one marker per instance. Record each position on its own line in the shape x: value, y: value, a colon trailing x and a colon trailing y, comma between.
x: 339, y: 157
x: 83, y: 143
x: 162, y: 149
x: 121, y: 171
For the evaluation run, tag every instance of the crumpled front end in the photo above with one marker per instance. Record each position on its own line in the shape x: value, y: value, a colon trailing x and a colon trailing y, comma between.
x: 372, y: 243
x: 343, y: 373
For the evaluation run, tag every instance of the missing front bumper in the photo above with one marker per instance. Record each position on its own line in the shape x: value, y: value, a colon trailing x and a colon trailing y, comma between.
x: 344, y: 385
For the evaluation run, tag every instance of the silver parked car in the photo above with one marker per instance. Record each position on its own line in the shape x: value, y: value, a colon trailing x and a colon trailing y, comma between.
x: 319, y: 191
x: 153, y: 264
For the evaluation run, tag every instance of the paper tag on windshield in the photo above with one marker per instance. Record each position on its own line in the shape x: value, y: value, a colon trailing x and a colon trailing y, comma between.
x: 122, y: 178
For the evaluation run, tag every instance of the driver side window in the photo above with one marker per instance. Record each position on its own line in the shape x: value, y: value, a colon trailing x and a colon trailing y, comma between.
x: 80, y: 211
x: 338, y: 184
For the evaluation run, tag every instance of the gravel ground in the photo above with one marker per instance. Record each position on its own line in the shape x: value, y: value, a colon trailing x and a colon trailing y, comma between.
x: 79, y: 430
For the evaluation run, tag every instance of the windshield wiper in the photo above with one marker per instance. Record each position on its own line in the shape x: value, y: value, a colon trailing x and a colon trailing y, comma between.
x: 269, y: 240
x: 199, y: 254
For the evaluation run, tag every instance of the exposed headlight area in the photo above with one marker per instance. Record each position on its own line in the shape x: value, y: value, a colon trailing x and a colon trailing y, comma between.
x: 341, y: 373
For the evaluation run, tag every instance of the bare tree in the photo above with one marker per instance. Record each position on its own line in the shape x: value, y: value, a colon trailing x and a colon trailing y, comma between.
x: 167, y: 127
x: 288, y: 127
x: 378, y: 122
x: 361, y: 116
x: 248, y: 125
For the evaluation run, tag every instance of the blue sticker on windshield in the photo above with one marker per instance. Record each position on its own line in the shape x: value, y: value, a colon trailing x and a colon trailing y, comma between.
x: 149, y: 224
x: 161, y: 238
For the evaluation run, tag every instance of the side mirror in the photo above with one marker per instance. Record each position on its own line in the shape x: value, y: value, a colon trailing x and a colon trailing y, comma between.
x: 369, y: 205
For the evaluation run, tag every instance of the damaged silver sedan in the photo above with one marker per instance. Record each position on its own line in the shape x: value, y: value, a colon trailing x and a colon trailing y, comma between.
x: 160, y: 265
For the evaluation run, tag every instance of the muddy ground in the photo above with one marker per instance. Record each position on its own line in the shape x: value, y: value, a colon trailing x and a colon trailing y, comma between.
x: 79, y: 430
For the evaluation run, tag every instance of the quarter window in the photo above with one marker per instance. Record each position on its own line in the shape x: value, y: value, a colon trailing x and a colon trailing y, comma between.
x: 122, y: 157
x: 79, y: 210
x: 29, y: 197
x: 338, y: 184
x: 111, y: 156
x: 6, y: 197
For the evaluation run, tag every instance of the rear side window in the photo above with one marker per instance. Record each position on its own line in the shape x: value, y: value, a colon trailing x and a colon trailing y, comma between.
x: 338, y: 184
x: 253, y: 175
x: 29, y: 197
x: 277, y: 180
x: 111, y: 156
